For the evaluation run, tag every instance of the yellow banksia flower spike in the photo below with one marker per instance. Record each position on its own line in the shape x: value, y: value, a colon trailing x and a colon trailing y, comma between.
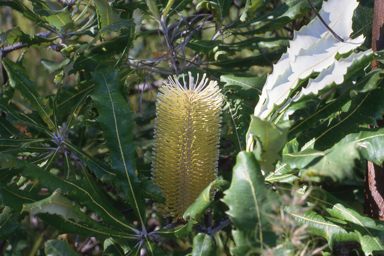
x: 186, y: 147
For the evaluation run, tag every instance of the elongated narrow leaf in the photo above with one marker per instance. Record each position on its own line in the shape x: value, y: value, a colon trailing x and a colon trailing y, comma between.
x: 9, y: 222
x: 246, y: 87
x: 59, y: 248
x: 115, y: 118
x: 152, y: 249
x: 7, y: 129
x: 248, y: 198
x: 20, y: 81
x: 205, y: 200
x: 15, y: 35
x: 312, y: 50
x: 203, y: 245
x: 84, y: 191
x: 178, y: 232
x: 203, y: 46
x: 370, y: 232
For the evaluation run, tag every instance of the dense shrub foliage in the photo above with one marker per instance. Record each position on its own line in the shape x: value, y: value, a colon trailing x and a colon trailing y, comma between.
x: 298, y: 126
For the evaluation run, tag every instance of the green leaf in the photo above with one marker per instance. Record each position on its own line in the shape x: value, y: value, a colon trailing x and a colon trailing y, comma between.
x: 84, y: 191
x: 152, y: 249
x: 54, y: 204
x: 115, y: 119
x: 116, y: 246
x: 203, y: 46
x: 15, y: 35
x: 19, y: 6
x: 150, y: 190
x: 8, y: 222
x: 368, y: 232
x: 256, y: 43
x: 52, y: 66
x: 178, y: 232
x: 248, y: 88
x: 19, y: 80
x: 60, y: 19
x: 248, y: 198
x: 337, y: 163
x: 205, y: 199
x: 7, y: 129
x: 106, y: 15
x: 250, y: 8
x: 269, y: 140
x: 203, y: 245
x: 118, y: 25
x: 59, y: 248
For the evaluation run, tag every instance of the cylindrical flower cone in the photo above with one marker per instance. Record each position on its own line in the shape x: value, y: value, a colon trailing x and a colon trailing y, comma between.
x: 187, y: 135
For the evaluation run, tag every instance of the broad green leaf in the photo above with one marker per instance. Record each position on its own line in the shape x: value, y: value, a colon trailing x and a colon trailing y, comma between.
x: 203, y: 46
x: 256, y: 43
x: 246, y: 87
x: 59, y: 248
x: 116, y: 246
x: 60, y: 19
x: 269, y: 141
x: 15, y: 35
x: 337, y: 163
x: 115, y: 118
x: 20, y: 81
x: 152, y: 249
x: 178, y: 232
x: 369, y: 143
x: 54, y: 204
x: 248, y: 198
x: 248, y: 244
x: 153, y: 9
x: 313, y: 49
x: 9, y: 222
x: 53, y: 66
x: 362, y: 21
x: 203, y: 245
x: 106, y: 15
x: 205, y: 199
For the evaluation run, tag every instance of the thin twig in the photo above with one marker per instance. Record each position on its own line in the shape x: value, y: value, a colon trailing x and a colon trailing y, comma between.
x: 325, y: 24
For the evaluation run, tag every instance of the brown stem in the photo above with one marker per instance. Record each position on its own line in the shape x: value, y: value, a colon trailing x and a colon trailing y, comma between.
x: 325, y: 24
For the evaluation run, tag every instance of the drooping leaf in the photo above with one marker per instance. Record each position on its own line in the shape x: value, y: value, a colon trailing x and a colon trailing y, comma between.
x: 203, y: 245
x: 60, y: 19
x: 20, y: 81
x: 115, y: 118
x: 15, y: 35
x: 204, y: 201
x: 59, y: 248
x: 269, y: 140
x: 178, y: 232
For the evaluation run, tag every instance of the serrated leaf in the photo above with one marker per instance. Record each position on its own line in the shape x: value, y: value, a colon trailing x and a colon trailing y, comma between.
x: 245, y: 87
x: 205, y: 200
x: 203, y: 245
x: 248, y: 198
x: 84, y: 191
x: 337, y: 163
x: 369, y: 232
x: 54, y: 204
x: 59, y: 248
x: 152, y: 249
x: 150, y: 190
x: 19, y: 80
x: 250, y: 8
x: 106, y: 15
x: 313, y: 49
x: 115, y: 119
x: 60, y: 19
x: 269, y: 140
